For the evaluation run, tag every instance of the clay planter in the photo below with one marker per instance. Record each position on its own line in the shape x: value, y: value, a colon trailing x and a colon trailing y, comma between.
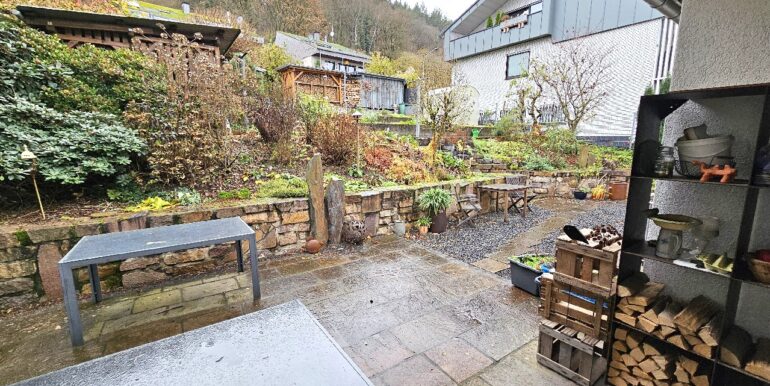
x: 313, y: 246
x: 440, y: 223
x: 423, y: 229
x: 618, y: 191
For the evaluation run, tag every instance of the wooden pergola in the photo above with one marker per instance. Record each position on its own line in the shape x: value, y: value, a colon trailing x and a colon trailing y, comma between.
x: 113, y: 31
x: 313, y: 81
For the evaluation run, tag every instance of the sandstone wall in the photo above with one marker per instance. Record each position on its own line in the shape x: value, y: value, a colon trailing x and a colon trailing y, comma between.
x: 29, y: 255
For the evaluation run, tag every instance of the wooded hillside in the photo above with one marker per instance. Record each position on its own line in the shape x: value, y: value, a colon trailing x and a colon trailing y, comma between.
x: 390, y: 27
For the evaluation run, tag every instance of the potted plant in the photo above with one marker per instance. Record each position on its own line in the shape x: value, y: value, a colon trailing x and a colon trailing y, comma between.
x: 436, y: 201
x: 526, y: 269
x: 599, y: 192
x: 581, y: 193
x: 423, y: 223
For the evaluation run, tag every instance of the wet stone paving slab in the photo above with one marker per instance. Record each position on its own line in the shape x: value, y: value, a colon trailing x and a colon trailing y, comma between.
x: 406, y: 314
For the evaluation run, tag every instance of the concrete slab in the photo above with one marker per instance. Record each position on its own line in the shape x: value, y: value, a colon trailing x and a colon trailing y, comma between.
x: 296, y: 351
x: 458, y: 359
x: 491, y: 265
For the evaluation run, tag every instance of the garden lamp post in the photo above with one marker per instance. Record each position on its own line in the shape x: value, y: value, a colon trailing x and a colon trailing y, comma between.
x: 27, y: 155
x: 357, y: 116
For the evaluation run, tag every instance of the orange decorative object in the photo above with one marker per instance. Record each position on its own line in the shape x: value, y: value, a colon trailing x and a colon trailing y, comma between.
x: 313, y: 246
x: 726, y: 172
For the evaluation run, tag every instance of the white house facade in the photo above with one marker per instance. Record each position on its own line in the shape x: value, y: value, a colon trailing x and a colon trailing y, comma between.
x: 639, y: 41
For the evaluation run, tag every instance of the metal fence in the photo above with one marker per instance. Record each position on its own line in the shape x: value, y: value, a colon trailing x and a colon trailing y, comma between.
x: 550, y: 115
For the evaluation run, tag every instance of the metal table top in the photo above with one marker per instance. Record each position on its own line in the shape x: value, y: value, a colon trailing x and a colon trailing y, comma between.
x: 281, y: 345
x: 504, y: 187
x: 150, y: 241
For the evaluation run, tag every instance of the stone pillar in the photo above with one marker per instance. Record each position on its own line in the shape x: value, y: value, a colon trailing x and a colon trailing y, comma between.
x: 335, y: 210
x: 315, y: 183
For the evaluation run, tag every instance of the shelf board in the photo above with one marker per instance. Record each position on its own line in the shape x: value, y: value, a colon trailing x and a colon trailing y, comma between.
x: 742, y: 371
x: 667, y: 343
x: 647, y: 252
x: 735, y: 183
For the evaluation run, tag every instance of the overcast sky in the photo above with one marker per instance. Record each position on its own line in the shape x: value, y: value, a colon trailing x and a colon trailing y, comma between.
x: 451, y: 8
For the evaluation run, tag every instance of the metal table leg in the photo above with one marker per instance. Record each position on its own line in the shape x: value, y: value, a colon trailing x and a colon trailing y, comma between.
x: 257, y: 293
x: 96, y: 288
x: 505, y: 206
x: 239, y: 254
x: 71, y: 305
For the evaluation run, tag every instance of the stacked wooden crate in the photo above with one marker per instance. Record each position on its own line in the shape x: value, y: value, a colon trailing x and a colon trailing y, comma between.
x: 576, y: 301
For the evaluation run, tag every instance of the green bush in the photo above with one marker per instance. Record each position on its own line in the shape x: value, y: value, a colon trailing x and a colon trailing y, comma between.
x: 243, y: 194
x: 537, y: 162
x: 561, y: 141
x: 70, y: 146
x: 283, y: 188
x: 58, y: 101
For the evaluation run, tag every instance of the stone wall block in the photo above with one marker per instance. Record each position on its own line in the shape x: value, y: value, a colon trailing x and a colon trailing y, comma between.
x: 371, y: 203
x: 8, y: 240
x: 48, y: 256
x: 16, y: 286
x: 287, y: 238
x: 230, y: 212
x: 195, y: 216
x: 185, y: 256
x: 16, y: 269
x: 140, y: 278
x: 255, y: 218
x: 295, y: 217
x: 42, y: 235
x: 139, y: 263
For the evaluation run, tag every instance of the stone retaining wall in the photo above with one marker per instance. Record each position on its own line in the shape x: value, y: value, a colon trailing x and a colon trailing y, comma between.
x: 29, y: 255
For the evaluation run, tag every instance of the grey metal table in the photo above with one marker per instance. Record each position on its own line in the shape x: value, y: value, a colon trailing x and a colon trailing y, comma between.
x: 281, y: 345
x: 106, y: 248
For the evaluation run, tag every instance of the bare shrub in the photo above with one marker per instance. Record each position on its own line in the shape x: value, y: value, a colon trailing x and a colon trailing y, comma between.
x: 334, y: 137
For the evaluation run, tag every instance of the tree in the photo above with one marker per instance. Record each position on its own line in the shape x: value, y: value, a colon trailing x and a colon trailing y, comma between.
x: 270, y: 57
x: 577, y: 77
x: 443, y: 110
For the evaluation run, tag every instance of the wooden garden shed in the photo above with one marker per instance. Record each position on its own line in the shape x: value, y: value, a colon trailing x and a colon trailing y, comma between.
x: 380, y: 92
x: 314, y: 81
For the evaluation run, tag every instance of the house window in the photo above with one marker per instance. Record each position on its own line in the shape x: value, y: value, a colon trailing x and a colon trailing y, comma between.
x: 516, y: 65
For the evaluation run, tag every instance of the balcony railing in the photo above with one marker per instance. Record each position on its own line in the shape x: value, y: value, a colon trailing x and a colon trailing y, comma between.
x: 538, y: 25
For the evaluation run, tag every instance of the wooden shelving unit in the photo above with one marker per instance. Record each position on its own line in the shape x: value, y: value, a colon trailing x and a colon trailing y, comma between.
x: 652, y: 111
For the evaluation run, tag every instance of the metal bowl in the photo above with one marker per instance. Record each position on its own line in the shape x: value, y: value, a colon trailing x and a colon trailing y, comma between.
x: 675, y: 222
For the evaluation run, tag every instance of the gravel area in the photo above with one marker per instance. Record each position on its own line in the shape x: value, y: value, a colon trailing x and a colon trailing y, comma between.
x: 609, y: 212
x: 471, y: 243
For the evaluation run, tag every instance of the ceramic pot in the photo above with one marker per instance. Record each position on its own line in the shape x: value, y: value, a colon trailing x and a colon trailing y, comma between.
x: 399, y: 228
x: 579, y: 195
x: 440, y: 223
x: 423, y: 229
x: 313, y: 246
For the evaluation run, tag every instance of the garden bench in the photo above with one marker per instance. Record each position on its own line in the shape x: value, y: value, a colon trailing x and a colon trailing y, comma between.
x: 100, y: 249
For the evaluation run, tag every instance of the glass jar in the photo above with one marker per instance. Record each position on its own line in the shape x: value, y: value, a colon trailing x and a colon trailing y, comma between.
x: 664, y: 164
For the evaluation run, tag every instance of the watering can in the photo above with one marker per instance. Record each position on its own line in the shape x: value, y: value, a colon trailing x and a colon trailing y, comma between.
x: 399, y: 228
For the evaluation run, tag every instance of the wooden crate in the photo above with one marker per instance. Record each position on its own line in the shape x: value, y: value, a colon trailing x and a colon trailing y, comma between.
x: 576, y: 357
x: 576, y: 265
x: 565, y: 304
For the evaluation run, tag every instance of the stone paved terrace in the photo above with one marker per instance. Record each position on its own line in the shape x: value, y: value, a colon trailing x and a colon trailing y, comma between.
x: 405, y: 314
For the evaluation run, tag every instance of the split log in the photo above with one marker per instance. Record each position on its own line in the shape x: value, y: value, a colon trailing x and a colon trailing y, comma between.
x: 660, y: 375
x: 613, y: 372
x: 623, y: 307
x: 629, y: 361
x: 649, y: 365
x: 700, y: 380
x: 647, y: 295
x: 650, y: 349
x: 620, y: 346
x: 634, y: 339
x: 760, y: 363
x: 637, y: 354
x: 735, y: 347
x: 625, y: 318
x: 678, y: 340
x: 617, y: 364
x: 620, y: 333
x: 693, y: 340
x: 689, y: 365
x: 632, y: 285
x: 657, y: 308
x: 696, y: 314
x: 617, y: 381
x: 640, y: 373
x: 666, y: 331
x: 663, y: 361
x: 704, y: 350
x: 646, y: 324
x: 681, y: 374
x: 666, y: 318
x: 632, y: 380
x: 711, y: 332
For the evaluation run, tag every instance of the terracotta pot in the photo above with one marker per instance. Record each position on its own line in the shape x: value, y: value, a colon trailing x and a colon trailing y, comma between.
x: 313, y: 246
x: 423, y: 229
x: 440, y: 223
x: 619, y: 191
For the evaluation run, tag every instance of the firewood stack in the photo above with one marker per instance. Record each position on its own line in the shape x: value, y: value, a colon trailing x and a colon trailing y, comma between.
x: 639, y: 360
x: 693, y: 327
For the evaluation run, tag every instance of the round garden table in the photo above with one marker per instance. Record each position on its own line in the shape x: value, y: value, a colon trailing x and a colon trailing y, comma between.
x: 507, y: 189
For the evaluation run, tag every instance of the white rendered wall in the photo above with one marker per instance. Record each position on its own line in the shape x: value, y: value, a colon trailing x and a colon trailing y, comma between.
x: 633, y: 58
x: 723, y: 43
